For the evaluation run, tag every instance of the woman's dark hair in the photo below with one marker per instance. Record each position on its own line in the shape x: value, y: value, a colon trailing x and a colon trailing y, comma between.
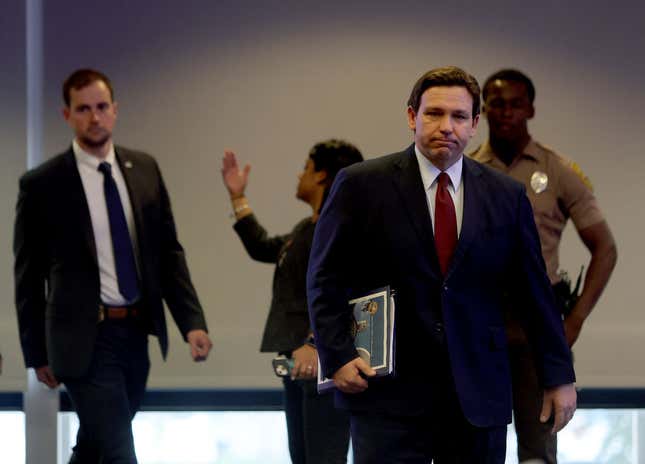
x: 331, y: 156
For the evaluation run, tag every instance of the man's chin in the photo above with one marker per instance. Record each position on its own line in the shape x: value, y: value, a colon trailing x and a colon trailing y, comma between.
x: 506, y: 133
x: 95, y: 143
x: 444, y: 153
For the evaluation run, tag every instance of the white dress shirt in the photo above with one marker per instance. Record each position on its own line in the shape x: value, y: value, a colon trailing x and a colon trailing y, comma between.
x: 92, y: 180
x: 429, y: 176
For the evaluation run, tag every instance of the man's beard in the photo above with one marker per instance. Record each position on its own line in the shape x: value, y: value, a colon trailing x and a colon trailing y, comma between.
x: 96, y: 143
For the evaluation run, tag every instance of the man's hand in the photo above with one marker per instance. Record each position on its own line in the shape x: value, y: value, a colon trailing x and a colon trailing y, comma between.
x: 560, y: 402
x: 348, y: 378
x: 234, y: 179
x: 305, y: 363
x: 200, y: 344
x: 46, y: 376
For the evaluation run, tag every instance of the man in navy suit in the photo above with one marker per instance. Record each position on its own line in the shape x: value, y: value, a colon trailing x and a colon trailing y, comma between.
x: 96, y: 251
x: 457, y: 242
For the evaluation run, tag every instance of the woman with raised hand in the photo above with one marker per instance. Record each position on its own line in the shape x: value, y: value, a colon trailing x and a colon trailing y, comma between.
x: 318, y: 433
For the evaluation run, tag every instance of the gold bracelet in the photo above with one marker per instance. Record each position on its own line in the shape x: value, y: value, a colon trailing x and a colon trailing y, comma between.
x: 240, y: 208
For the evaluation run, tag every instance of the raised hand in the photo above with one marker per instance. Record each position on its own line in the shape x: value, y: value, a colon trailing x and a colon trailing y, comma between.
x: 235, y: 179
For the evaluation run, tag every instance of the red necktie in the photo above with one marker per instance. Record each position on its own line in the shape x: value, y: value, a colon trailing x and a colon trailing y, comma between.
x: 445, y: 223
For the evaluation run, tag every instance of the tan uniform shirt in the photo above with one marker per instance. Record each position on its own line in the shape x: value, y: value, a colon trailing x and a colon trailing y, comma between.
x: 558, y: 190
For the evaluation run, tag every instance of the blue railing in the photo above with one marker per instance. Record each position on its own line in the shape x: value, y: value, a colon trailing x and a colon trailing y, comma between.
x: 271, y: 399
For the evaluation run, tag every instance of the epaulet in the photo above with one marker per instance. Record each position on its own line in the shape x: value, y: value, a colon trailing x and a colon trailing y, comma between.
x: 543, y: 147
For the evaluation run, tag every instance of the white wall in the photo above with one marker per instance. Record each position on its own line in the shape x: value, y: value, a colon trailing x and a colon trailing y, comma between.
x: 270, y: 79
x: 13, y: 161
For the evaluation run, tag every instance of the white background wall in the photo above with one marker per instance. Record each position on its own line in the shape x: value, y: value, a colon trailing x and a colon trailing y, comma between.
x: 270, y: 79
x: 13, y: 161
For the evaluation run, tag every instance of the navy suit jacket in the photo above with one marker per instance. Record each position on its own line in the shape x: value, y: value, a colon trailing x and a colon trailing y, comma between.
x: 376, y: 230
x: 56, y: 267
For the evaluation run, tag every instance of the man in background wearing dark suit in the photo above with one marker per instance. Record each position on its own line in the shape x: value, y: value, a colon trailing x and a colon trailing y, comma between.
x: 455, y: 240
x: 96, y: 251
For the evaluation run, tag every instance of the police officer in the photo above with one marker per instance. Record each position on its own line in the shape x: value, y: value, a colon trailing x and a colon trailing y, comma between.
x: 558, y: 190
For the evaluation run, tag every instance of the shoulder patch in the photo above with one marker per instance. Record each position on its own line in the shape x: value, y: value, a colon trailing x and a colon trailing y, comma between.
x: 578, y: 170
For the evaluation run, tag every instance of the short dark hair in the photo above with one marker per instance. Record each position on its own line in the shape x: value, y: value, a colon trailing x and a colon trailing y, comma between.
x: 448, y: 76
x: 82, y: 78
x: 511, y: 75
x: 332, y: 155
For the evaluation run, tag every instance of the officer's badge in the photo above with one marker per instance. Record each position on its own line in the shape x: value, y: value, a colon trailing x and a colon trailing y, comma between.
x: 539, y: 181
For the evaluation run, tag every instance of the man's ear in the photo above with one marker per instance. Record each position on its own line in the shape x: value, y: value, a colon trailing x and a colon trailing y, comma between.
x: 321, y: 176
x: 66, y: 113
x: 531, y: 111
x: 412, y: 116
x: 473, y: 129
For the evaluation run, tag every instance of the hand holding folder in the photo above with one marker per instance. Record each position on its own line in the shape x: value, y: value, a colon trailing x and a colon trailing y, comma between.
x: 373, y: 332
x: 352, y: 377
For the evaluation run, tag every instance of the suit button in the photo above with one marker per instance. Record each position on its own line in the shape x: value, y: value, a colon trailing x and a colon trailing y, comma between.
x: 445, y: 287
x: 438, y: 327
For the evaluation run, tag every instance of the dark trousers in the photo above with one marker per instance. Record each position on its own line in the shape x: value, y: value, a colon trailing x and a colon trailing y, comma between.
x: 318, y: 433
x: 439, y: 433
x: 442, y: 437
x: 109, y: 395
x: 380, y: 438
x: 534, y: 438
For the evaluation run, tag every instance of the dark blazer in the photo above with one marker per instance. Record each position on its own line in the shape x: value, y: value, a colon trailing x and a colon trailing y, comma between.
x: 287, y: 324
x: 376, y: 230
x: 57, y: 284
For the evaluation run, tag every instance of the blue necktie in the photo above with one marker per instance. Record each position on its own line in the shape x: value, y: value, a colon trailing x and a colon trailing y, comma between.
x: 126, y: 268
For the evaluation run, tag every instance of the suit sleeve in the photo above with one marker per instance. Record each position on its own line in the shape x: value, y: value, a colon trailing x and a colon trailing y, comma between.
x: 328, y: 289
x: 256, y: 240
x: 177, y: 287
x: 29, y: 276
x: 541, y: 320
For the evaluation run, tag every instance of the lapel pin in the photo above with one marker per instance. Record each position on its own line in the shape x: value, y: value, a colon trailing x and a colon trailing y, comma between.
x: 128, y: 164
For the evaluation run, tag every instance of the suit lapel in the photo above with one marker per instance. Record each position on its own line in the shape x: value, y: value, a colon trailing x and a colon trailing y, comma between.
x: 407, y: 180
x: 77, y: 201
x: 131, y: 175
x: 471, y: 221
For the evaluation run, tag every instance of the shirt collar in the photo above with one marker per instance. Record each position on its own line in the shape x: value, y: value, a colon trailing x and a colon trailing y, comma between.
x: 89, y: 160
x: 532, y: 151
x: 429, y: 172
x: 487, y: 155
